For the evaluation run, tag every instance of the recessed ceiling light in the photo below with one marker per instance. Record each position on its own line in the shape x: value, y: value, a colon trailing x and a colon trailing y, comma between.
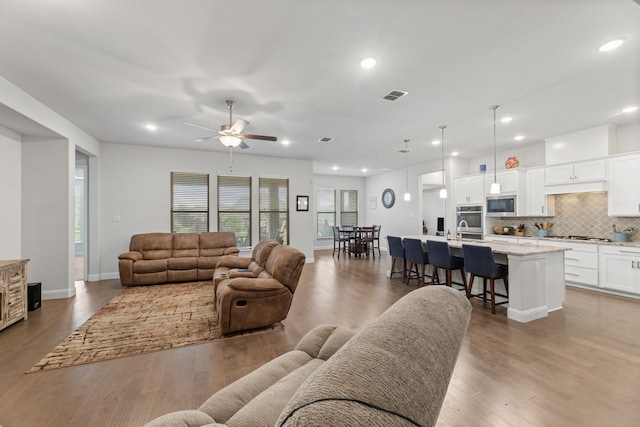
x: 368, y: 62
x: 364, y: 170
x: 455, y: 153
x: 630, y: 109
x: 150, y: 126
x: 286, y: 142
x: 506, y: 119
x: 612, y: 44
x: 335, y: 168
x: 519, y: 138
x: 436, y: 142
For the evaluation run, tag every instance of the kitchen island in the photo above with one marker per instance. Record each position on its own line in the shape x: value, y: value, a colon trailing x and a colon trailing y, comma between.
x: 536, y: 275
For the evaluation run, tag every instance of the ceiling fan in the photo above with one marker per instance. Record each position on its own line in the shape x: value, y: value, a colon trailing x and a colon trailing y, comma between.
x: 231, y: 134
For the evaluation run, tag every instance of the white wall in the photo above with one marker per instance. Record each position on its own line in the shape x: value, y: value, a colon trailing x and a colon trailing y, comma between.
x: 46, y: 220
x: 337, y: 182
x: 10, y: 195
x: 136, y: 193
x: 628, y: 138
x: 528, y: 156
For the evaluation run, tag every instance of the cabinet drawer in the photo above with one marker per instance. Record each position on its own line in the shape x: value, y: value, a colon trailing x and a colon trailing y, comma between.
x: 620, y: 250
x: 15, y: 301
x: 581, y: 259
x: 582, y: 275
x: 15, y: 274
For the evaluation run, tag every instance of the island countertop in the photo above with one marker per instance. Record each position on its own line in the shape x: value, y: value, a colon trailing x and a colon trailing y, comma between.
x: 497, y: 247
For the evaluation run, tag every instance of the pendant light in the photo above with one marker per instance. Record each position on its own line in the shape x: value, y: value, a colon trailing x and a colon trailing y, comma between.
x: 443, y: 190
x: 495, y: 187
x: 407, y: 195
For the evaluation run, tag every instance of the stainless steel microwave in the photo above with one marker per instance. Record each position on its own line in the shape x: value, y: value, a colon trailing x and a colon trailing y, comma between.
x: 502, y: 205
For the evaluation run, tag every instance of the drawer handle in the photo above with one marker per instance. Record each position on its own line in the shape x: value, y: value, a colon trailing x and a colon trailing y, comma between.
x: 629, y: 252
x: 572, y: 259
x: 572, y: 274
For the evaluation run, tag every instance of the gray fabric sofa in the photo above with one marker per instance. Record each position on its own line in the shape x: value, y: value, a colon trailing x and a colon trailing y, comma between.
x: 394, y: 372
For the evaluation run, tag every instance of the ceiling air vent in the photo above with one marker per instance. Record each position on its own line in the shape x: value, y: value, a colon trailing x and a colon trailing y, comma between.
x: 325, y: 140
x: 394, y: 95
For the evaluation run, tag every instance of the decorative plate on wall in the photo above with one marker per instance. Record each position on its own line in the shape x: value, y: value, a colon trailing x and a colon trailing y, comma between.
x: 388, y: 198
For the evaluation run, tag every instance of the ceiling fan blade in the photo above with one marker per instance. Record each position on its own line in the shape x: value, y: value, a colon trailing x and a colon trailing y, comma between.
x: 186, y: 122
x: 239, y: 125
x: 243, y: 145
x: 261, y: 137
x: 206, y: 138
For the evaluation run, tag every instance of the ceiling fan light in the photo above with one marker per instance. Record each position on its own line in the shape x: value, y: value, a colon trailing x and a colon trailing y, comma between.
x: 230, y: 141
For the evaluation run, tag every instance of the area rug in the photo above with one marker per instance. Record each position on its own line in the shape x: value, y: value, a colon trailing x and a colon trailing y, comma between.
x: 142, y: 319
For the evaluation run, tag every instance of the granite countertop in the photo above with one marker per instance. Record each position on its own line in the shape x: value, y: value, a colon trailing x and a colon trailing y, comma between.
x: 508, y: 248
x: 558, y: 239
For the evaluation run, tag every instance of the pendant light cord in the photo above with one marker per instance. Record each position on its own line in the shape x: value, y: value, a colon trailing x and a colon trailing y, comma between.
x: 495, y: 162
x: 406, y: 168
x: 442, y: 151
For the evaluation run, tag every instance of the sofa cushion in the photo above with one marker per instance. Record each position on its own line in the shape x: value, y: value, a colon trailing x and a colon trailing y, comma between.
x: 186, y: 245
x: 152, y: 245
x: 262, y: 251
x: 149, y: 266
x: 285, y: 265
x: 217, y: 244
x: 395, y: 371
x: 182, y: 263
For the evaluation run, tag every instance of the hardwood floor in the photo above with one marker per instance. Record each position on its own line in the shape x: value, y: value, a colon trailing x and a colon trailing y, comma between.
x: 578, y: 367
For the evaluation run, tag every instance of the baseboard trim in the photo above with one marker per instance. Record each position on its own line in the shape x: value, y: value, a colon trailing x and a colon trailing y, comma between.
x: 527, y: 315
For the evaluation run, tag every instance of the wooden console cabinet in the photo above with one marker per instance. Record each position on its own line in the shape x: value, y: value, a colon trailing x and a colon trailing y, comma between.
x: 13, y: 291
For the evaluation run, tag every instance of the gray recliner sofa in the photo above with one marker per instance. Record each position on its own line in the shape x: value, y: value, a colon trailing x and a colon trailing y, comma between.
x: 394, y: 372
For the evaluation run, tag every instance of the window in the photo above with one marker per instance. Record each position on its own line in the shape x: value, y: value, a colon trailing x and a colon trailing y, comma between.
x: 348, y: 207
x: 234, y: 207
x: 274, y: 209
x: 189, y: 202
x: 326, y: 208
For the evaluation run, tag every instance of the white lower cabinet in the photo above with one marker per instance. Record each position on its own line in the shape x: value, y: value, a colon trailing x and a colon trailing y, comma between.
x: 620, y: 268
x: 580, y: 263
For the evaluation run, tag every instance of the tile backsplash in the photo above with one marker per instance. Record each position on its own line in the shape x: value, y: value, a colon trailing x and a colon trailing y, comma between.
x: 580, y: 214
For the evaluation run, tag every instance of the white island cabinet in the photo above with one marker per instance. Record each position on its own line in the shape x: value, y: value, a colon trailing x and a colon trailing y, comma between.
x: 624, y: 186
x: 536, y: 275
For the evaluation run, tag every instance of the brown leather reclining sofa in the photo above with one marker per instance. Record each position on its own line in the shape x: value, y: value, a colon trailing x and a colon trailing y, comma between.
x: 156, y: 258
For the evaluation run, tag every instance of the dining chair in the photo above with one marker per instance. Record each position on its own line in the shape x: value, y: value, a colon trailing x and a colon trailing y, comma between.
x: 339, y: 240
x: 376, y: 236
x: 396, y: 251
x: 417, y: 258
x: 440, y: 257
x: 366, y: 240
x: 479, y: 262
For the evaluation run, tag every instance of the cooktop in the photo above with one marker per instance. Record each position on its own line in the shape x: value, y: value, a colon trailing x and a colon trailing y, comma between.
x: 588, y: 238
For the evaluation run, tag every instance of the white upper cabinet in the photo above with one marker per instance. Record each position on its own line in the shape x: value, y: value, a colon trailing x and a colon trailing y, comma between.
x: 576, y: 173
x: 510, y: 180
x: 624, y: 186
x: 538, y: 202
x: 469, y: 190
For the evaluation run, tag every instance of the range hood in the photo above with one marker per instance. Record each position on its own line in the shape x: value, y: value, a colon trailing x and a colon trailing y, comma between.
x: 582, y: 187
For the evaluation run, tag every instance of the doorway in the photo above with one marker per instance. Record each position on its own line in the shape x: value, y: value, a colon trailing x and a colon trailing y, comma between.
x: 81, y: 209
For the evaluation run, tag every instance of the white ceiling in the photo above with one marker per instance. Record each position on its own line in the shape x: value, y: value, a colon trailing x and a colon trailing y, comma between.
x: 293, y: 68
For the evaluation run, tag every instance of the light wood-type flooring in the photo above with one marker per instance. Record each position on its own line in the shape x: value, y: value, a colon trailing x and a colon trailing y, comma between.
x: 578, y: 367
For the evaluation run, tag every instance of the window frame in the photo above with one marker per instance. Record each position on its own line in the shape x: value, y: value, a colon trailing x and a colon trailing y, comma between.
x: 187, y: 178
x: 286, y: 211
x: 244, y: 213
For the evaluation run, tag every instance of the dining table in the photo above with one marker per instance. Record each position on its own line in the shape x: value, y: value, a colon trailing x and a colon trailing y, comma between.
x: 355, y: 237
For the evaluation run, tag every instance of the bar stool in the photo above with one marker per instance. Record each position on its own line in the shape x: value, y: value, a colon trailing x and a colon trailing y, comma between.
x: 396, y: 250
x: 416, y: 255
x: 440, y: 257
x: 479, y: 261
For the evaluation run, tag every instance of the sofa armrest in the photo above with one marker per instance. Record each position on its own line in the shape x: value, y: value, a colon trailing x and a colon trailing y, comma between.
x: 232, y: 261
x: 323, y: 341
x: 132, y: 255
x: 231, y: 251
x: 184, y: 419
x: 233, y: 273
x: 254, y: 285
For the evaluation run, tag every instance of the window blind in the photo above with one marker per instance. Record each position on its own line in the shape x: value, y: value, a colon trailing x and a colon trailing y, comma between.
x: 189, y: 202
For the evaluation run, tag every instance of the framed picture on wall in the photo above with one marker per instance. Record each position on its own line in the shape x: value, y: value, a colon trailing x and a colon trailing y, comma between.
x: 302, y: 203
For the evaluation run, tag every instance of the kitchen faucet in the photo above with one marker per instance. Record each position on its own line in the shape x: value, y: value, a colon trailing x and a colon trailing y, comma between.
x: 460, y: 228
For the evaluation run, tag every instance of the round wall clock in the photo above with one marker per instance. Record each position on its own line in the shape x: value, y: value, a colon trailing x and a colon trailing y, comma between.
x: 388, y: 198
